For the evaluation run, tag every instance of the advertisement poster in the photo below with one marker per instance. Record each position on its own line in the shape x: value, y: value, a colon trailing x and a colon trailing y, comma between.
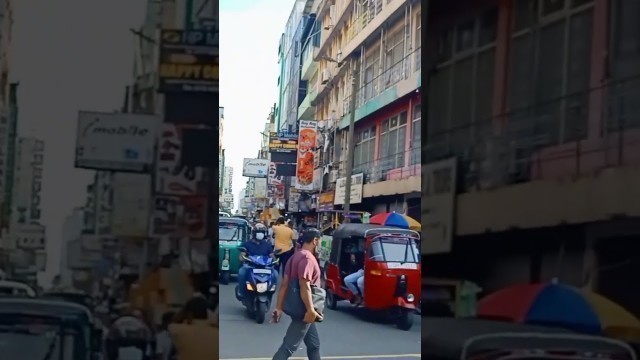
x: 180, y: 216
x: 131, y: 200
x: 188, y: 61
x: 283, y: 146
x: 274, y: 179
x: 306, y: 155
x: 294, y: 198
x: 325, y: 201
x: 257, y: 168
x: 114, y: 141
x: 171, y: 177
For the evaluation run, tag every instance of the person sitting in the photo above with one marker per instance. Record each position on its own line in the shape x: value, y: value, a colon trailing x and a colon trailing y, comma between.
x: 257, y: 246
x: 355, y: 278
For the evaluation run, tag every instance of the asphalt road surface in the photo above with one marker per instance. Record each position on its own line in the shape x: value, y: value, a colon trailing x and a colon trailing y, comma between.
x: 346, y: 333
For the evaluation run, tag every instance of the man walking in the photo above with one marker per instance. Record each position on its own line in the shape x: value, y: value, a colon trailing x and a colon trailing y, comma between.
x: 302, y: 267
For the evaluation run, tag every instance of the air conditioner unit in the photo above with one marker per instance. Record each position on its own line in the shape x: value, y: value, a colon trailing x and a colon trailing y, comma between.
x: 333, y: 176
x: 326, y: 76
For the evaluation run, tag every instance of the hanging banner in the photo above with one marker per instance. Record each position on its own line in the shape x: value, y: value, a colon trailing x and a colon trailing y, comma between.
x: 172, y: 178
x: 180, y: 216
x: 306, y: 155
x: 274, y: 179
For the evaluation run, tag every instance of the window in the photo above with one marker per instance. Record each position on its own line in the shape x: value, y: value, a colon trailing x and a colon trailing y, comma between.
x: 394, y: 55
x: 364, y: 151
x: 550, y: 67
x: 392, y: 140
x: 371, y: 71
x: 416, y: 130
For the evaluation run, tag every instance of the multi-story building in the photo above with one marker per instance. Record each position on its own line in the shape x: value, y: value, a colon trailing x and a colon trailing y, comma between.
x: 378, y: 42
x: 72, y: 229
x: 227, y: 187
x: 291, y: 89
x: 536, y: 102
x: 28, y: 182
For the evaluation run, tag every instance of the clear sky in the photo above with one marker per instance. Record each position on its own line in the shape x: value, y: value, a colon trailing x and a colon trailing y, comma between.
x: 69, y: 55
x: 250, y: 31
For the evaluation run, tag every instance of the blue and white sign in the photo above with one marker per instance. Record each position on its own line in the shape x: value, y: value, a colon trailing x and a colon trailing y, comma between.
x: 256, y: 168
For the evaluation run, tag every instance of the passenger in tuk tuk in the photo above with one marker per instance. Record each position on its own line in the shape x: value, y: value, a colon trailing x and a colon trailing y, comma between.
x: 355, y: 278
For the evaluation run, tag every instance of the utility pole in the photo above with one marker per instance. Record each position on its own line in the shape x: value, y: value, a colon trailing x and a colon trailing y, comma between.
x: 355, y: 84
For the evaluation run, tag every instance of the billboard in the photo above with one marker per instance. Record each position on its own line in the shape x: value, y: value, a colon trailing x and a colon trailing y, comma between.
x: 257, y: 168
x: 283, y: 146
x: 177, y: 216
x: 438, y: 205
x: 188, y: 61
x: 357, y: 183
x: 131, y: 201
x: 325, y: 201
x: 172, y: 178
x: 115, y: 141
x: 307, y: 138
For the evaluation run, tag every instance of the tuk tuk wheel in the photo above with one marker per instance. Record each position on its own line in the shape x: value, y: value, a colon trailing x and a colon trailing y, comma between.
x: 405, y: 320
x: 332, y: 301
x: 225, y: 277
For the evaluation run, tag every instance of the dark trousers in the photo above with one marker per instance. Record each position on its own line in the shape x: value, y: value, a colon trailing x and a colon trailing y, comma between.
x: 297, y: 332
x: 284, y: 257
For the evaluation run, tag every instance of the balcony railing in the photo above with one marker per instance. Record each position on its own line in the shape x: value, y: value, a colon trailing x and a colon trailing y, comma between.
x: 367, y: 15
x: 395, y: 73
x: 393, y: 167
x: 562, y: 137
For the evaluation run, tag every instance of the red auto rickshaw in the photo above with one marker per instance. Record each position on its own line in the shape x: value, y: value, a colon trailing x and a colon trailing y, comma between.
x: 391, y: 261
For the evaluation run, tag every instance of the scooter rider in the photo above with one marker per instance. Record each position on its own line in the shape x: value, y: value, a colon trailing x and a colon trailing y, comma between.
x: 257, y: 246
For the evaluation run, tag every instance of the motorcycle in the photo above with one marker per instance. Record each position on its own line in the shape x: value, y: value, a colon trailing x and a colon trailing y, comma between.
x: 260, y: 286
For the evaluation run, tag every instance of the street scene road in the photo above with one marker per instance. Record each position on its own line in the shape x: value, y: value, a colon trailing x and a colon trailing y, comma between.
x: 343, y: 334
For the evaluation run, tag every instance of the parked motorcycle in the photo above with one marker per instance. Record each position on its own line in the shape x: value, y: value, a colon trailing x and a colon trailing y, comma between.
x: 260, y: 286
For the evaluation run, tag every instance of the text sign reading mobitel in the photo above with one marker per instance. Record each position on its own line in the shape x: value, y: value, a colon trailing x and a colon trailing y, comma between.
x: 188, y: 61
x: 283, y: 142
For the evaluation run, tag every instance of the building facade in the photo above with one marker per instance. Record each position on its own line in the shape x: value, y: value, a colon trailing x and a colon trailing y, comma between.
x: 535, y: 102
x: 377, y: 44
x: 28, y: 182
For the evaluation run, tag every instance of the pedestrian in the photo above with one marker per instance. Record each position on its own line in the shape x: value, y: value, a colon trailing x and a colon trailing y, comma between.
x: 283, y: 241
x: 164, y: 345
x: 303, y: 268
x: 195, y: 332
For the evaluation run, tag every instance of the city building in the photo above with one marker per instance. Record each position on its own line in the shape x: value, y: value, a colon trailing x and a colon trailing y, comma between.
x: 227, y: 187
x: 378, y: 42
x: 535, y: 103
x: 28, y: 182
x: 72, y: 229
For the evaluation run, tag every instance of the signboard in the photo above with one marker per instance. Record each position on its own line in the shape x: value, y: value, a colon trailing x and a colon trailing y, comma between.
x: 36, y: 179
x: 281, y: 142
x: 180, y: 216
x: 357, y: 183
x: 104, y: 202
x: 438, y: 206
x: 325, y: 201
x: 260, y: 188
x: 258, y: 168
x: 188, y: 61
x: 172, y: 178
x: 307, y: 139
x: 114, y: 141
x: 131, y: 200
x: 228, y: 198
x: 273, y: 177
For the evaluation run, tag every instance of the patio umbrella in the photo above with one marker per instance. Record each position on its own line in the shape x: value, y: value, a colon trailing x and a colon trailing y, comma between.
x: 396, y: 220
x: 560, y: 305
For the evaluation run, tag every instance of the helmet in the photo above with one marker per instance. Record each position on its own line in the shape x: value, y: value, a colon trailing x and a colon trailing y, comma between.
x: 259, y: 228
